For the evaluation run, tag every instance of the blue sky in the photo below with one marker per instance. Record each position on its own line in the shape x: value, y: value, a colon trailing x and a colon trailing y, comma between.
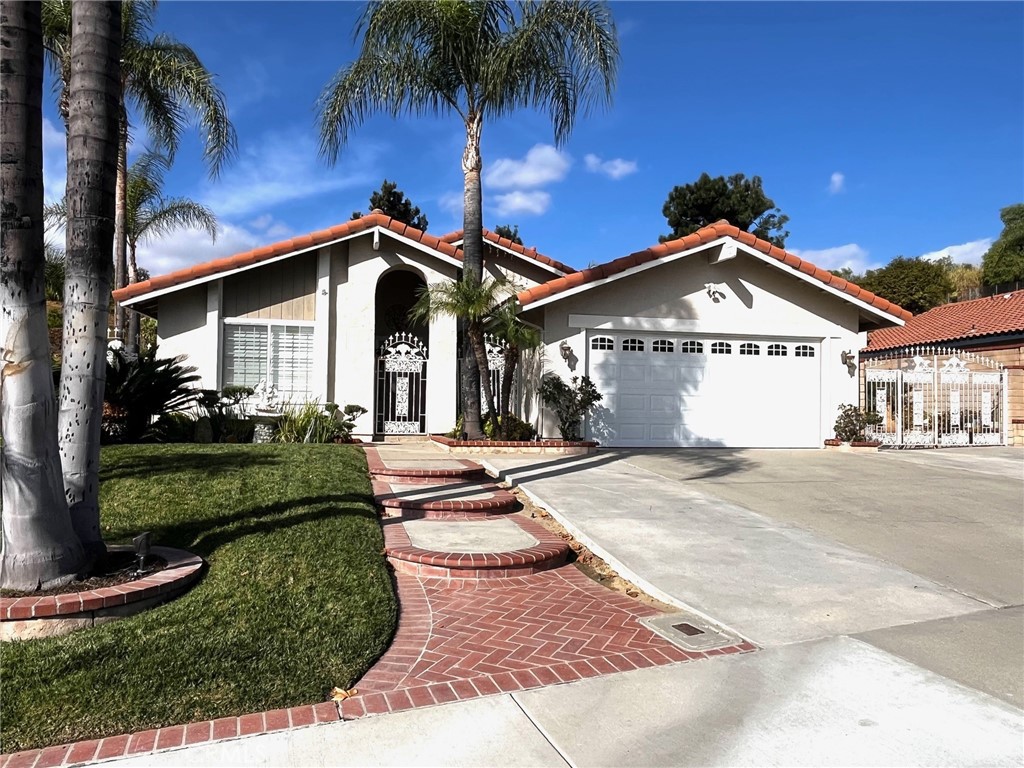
x: 881, y: 129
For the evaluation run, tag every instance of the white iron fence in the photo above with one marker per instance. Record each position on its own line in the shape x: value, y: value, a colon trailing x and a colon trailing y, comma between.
x: 929, y: 396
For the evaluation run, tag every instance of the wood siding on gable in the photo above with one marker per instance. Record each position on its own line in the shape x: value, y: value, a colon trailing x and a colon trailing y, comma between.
x: 285, y: 290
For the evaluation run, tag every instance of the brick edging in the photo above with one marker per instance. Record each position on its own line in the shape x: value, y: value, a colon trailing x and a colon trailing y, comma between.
x: 378, y: 468
x: 182, y: 569
x: 453, y: 443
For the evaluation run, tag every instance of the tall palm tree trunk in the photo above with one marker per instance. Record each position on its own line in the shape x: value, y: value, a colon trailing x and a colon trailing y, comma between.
x: 132, y: 339
x: 475, y: 332
x: 40, y: 548
x: 510, y: 361
x: 472, y: 270
x: 121, y: 215
x: 92, y: 178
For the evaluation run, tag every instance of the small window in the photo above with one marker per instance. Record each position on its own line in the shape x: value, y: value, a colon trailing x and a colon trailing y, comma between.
x: 750, y: 349
x: 691, y: 348
x: 803, y: 350
x: 721, y: 348
x: 776, y: 350
x: 663, y: 345
x: 602, y: 342
x: 632, y: 345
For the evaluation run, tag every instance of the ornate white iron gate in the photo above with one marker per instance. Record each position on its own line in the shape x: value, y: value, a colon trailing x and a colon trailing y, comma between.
x: 929, y: 396
x: 401, y: 386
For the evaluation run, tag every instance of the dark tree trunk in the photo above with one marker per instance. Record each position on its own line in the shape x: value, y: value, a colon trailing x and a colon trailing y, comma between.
x: 40, y: 548
x: 510, y: 361
x: 94, y: 116
x: 132, y: 342
x: 475, y: 332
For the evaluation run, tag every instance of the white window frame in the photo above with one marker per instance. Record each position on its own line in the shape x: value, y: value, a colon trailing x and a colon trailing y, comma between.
x: 268, y: 324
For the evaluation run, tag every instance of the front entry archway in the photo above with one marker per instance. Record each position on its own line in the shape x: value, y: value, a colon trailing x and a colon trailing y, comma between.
x: 400, y: 395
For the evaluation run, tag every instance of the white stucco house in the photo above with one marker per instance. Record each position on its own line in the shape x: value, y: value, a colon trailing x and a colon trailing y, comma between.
x: 716, y: 339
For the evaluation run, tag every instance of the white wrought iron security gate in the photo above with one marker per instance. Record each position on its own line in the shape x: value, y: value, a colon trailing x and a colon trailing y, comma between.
x: 401, y: 386
x: 927, y: 396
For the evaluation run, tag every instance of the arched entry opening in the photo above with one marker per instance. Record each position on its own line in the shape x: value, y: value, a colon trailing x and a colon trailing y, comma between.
x: 402, y: 343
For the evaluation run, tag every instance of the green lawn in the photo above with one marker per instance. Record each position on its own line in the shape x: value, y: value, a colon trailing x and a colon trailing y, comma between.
x: 296, y: 599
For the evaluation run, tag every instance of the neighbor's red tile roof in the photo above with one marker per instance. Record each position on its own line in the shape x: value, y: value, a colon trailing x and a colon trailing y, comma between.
x: 283, y: 247
x: 706, y: 235
x: 1003, y: 313
x: 504, y: 242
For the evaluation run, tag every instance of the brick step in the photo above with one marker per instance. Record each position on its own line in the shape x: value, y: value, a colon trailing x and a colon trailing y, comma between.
x: 487, y: 499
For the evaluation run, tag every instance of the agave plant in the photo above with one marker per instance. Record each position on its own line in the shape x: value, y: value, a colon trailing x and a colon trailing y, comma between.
x: 141, y: 390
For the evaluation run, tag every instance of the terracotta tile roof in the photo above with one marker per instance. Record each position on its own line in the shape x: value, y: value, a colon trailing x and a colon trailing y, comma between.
x: 706, y: 235
x: 999, y: 314
x: 442, y: 244
x: 265, y: 252
x: 504, y: 242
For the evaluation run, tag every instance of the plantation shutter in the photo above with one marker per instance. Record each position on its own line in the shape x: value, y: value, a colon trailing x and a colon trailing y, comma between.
x: 245, y: 355
x: 291, y: 360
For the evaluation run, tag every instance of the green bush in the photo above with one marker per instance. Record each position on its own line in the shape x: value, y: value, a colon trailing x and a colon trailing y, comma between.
x: 309, y: 423
x: 569, y: 402
x: 853, y: 422
x: 519, y: 429
x: 140, y: 391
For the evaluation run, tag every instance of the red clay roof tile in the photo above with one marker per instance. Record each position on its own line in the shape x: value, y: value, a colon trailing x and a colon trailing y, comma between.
x: 706, y: 235
x: 993, y: 315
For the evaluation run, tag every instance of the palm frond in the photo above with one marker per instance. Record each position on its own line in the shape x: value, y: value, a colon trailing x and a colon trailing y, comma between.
x: 176, y: 213
x: 55, y: 215
x: 473, y: 302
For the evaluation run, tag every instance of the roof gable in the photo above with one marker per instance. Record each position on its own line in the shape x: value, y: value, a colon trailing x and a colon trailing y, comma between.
x: 651, y: 256
x: 445, y: 245
x: 994, y: 315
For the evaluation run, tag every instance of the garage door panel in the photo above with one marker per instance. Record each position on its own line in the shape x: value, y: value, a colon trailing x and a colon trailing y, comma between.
x: 732, y: 400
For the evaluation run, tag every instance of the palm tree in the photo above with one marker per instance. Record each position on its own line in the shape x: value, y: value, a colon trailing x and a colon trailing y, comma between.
x: 150, y: 215
x: 40, y: 548
x: 165, y: 82
x: 475, y: 303
x: 477, y: 59
x: 518, y: 338
x: 93, y: 112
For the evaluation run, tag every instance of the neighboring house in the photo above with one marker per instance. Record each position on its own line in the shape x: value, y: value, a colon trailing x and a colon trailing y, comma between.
x: 992, y: 327
x: 716, y: 339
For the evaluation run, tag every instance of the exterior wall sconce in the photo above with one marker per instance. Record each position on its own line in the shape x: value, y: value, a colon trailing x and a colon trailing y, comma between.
x: 565, y: 350
x: 850, y: 361
x: 715, y: 291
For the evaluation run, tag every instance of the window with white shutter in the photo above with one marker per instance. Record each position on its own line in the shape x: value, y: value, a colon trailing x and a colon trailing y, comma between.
x: 280, y: 354
x: 245, y: 355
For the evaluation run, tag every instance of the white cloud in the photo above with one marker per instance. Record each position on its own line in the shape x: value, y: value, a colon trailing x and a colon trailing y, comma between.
x: 837, y: 183
x: 613, y: 169
x: 186, y: 247
x: 281, y: 168
x: 542, y: 165
x: 535, y: 202
x: 55, y: 162
x: 451, y: 202
x: 850, y: 255
x: 966, y: 253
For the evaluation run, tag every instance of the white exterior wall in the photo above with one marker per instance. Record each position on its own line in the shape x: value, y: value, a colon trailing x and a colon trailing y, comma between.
x: 354, y: 366
x: 760, y: 300
x: 190, y: 326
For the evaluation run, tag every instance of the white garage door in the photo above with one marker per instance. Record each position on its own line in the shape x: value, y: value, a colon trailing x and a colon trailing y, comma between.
x: 678, y: 390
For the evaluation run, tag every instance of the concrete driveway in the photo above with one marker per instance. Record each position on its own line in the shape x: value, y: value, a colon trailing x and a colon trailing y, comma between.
x: 919, y: 554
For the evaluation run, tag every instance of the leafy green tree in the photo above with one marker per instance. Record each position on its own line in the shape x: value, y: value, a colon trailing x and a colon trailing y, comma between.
x: 393, y: 202
x: 162, y: 80
x: 40, y: 548
x: 848, y: 275
x: 480, y: 61
x: 737, y: 199
x: 1004, y: 262
x: 511, y: 231
x: 914, y: 284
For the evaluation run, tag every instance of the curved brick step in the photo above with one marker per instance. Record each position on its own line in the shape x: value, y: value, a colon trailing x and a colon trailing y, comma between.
x: 470, y: 471
x: 448, y: 501
x: 546, y: 552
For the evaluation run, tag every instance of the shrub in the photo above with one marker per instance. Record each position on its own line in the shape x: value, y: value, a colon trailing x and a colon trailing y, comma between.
x: 853, y: 422
x: 309, y: 423
x: 519, y: 430
x: 569, y: 402
x: 140, y: 391
x: 223, y: 407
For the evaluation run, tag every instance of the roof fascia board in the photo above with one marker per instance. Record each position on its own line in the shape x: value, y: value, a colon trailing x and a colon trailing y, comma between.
x: 817, y: 283
x: 376, y: 230
x: 523, y: 257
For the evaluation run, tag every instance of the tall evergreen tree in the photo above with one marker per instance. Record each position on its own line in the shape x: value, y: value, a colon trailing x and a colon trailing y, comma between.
x: 737, y: 199
x: 393, y: 202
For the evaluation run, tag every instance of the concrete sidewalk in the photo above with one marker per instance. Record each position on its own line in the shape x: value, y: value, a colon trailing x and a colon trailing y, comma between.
x: 833, y: 702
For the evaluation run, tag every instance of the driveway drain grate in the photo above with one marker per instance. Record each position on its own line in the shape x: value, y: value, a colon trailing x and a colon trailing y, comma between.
x: 690, y: 632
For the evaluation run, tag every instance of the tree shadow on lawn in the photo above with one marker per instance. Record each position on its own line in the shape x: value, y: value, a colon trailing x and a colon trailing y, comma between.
x: 206, y: 462
x: 204, y: 536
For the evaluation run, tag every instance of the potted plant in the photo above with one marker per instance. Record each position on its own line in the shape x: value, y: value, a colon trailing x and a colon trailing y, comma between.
x: 570, y: 402
x: 851, y: 427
